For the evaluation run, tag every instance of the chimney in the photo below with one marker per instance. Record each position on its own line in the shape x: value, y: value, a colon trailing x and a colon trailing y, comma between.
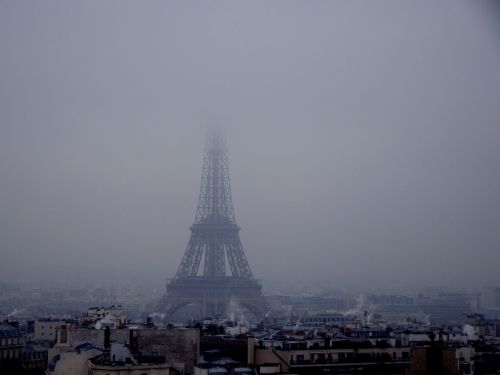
x: 133, y: 342
x: 107, y: 338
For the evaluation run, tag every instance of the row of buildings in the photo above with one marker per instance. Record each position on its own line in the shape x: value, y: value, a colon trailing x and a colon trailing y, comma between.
x: 103, y: 341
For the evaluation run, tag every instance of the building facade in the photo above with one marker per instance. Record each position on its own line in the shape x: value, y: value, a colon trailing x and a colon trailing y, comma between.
x: 11, y: 349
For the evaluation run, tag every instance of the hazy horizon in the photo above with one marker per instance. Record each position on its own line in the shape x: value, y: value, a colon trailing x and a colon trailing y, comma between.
x: 363, y: 138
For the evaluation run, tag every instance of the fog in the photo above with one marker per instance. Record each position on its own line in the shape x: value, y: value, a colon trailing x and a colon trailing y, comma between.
x: 363, y: 138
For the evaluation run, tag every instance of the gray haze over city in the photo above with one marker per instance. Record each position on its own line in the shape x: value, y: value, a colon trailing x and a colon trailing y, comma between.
x: 363, y: 139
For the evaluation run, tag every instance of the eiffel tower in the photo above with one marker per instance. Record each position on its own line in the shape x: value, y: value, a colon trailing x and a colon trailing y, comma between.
x: 224, y: 284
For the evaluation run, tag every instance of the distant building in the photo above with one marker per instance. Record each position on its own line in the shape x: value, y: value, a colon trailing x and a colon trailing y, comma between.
x: 99, y: 317
x: 490, y: 298
x: 317, y: 320
x: 45, y: 329
x: 444, y: 308
x: 475, y: 326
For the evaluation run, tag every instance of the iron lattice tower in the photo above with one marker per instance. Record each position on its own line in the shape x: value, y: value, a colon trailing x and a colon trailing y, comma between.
x: 225, y: 281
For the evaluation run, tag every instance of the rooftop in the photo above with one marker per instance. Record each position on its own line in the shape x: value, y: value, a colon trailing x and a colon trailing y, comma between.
x: 6, y: 331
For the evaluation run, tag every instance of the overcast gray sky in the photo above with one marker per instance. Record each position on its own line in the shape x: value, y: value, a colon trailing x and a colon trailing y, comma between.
x: 363, y: 137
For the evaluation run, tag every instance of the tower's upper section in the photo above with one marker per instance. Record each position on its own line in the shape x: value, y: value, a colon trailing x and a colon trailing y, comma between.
x: 215, y: 205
